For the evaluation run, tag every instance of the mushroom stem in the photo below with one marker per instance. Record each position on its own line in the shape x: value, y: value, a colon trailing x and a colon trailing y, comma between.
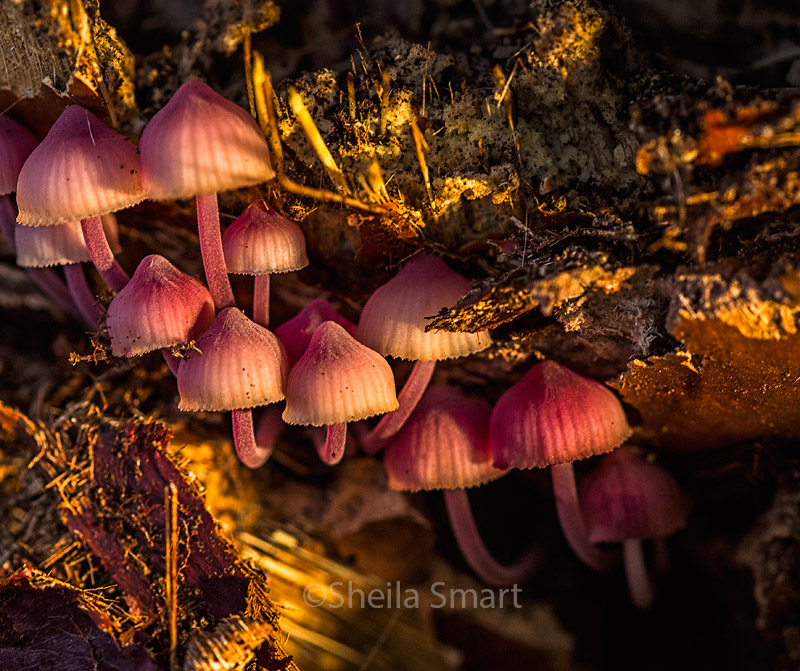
x: 8, y: 222
x: 269, y: 427
x: 211, y: 249
x: 392, y: 422
x: 639, y: 585
x: 52, y: 286
x: 171, y: 360
x: 261, y: 300
x: 101, y: 255
x: 249, y: 452
x: 82, y: 295
x: 332, y: 450
x: 474, y: 550
x: 571, y: 518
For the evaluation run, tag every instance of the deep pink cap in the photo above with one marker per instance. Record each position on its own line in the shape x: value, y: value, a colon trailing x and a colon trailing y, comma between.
x: 626, y: 497
x: 160, y: 307
x: 81, y: 169
x: 261, y: 242
x: 242, y: 365
x: 295, y: 333
x: 43, y: 246
x: 16, y: 144
x: 552, y: 416
x: 338, y: 380
x: 443, y: 445
x: 199, y: 143
x: 394, y: 319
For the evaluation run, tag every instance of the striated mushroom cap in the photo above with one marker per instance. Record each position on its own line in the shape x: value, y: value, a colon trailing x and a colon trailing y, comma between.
x: 262, y: 242
x: 44, y: 246
x: 16, y: 144
x: 394, y: 319
x: 242, y: 365
x: 627, y: 498
x: 443, y: 445
x: 296, y: 333
x: 81, y: 169
x: 552, y: 416
x: 199, y: 143
x: 338, y: 380
x: 160, y: 307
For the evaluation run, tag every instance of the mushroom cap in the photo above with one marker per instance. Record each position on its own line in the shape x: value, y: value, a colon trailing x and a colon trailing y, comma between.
x: 199, y: 143
x: 16, y: 144
x: 44, y: 246
x: 160, y: 307
x: 81, y: 169
x: 261, y: 242
x: 627, y: 498
x: 296, y: 333
x: 394, y: 319
x: 553, y: 416
x: 444, y: 444
x: 338, y: 380
x: 242, y: 365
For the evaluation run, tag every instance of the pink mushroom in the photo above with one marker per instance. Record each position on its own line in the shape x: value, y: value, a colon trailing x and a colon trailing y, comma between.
x: 394, y: 322
x: 80, y: 171
x: 625, y: 500
x: 444, y: 445
x: 553, y: 417
x: 16, y: 144
x: 159, y: 308
x: 241, y: 366
x: 295, y: 334
x: 336, y: 381
x: 64, y: 245
x: 198, y: 144
x: 262, y: 242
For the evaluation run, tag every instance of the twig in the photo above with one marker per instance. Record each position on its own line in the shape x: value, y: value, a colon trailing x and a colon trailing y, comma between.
x: 171, y: 577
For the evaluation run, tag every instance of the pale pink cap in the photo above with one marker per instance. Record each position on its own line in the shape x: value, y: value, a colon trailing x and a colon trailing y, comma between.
x: 242, y: 365
x: 443, y: 445
x: 16, y: 144
x: 261, y: 242
x: 553, y: 416
x: 338, y: 380
x: 394, y: 319
x: 296, y: 333
x: 81, y: 169
x: 627, y: 498
x: 160, y: 307
x: 199, y: 143
x: 44, y: 246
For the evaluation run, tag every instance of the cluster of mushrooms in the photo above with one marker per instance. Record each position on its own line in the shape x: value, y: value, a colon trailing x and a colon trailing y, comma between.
x: 329, y: 371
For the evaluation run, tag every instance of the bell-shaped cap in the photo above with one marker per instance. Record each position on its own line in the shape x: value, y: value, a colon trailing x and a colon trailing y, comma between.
x: 262, y: 242
x: 627, y: 498
x: 394, y: 319
x: 199, y: 143
x: 443, y: 445
x: 553, y: 416
x: 44, y: 246
x: 338, y: 380
x: 242, y: 365
x: 160, y: 307
x: 16, y: 144
x: 81, y: 169
x: 296, y: 333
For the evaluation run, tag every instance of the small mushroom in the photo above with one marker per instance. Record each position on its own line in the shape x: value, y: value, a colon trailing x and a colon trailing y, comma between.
x: 553, y: 417
x: 394, y: 322
x: 337, y: 380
